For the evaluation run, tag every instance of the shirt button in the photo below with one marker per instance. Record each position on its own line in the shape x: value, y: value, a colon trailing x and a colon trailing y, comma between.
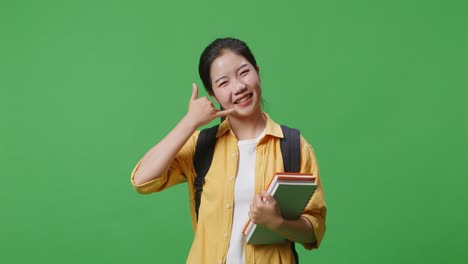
x: 228, y: 205
x: 231, y: 178
x: 234, y: 154
x: 225, y: 235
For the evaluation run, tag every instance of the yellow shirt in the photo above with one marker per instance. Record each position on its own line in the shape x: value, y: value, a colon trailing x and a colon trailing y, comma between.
x: 212, y: 231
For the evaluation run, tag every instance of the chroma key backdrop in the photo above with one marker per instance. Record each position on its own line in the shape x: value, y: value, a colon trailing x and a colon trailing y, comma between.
x: 379, y: 88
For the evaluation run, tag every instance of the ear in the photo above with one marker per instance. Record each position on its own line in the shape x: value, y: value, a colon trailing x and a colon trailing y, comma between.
x: 257, y: 68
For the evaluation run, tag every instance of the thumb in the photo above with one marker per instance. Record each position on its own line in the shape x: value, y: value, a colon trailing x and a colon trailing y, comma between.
x: 267, y: 197
x: 258, y: 199
x: 194, y: 92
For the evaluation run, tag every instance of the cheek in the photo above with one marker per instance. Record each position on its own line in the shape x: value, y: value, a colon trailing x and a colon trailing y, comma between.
x: 221, y: 95
x: 252, y: 80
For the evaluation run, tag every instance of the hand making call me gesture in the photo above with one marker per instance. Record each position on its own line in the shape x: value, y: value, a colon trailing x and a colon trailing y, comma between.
x: 200, y: 112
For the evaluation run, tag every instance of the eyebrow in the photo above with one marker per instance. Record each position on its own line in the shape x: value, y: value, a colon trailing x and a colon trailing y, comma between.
x: 242, y: 66
x: 238, y: 69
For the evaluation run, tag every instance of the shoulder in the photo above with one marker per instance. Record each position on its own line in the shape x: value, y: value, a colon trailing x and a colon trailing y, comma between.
x: 305, y: 143
x: 206, y: 134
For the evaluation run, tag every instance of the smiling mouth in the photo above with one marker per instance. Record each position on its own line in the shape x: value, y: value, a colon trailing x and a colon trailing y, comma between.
x: 243, y: 99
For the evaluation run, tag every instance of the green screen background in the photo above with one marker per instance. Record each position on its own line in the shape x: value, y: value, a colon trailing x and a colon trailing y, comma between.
x: 378, y: 87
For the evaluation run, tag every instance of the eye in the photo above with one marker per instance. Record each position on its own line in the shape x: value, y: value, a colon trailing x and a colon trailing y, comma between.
x: 244, y: 73
x: 222, y: 84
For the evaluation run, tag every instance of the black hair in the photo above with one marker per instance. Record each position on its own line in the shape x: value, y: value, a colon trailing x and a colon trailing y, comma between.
x: 216, y: 49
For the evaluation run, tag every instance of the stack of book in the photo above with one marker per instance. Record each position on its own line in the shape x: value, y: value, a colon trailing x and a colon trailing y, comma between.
x: 292, y: 192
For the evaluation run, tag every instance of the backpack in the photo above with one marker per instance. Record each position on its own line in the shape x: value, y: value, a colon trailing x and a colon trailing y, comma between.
x: 290, y: 150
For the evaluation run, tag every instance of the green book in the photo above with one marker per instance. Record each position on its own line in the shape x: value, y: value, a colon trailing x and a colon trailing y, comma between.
x: 292, y: 192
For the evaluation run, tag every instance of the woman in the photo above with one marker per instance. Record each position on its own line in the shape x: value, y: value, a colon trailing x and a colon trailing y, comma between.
x: 246, y: 156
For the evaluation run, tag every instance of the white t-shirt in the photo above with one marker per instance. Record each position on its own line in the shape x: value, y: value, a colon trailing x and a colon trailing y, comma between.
x: 243, y: 194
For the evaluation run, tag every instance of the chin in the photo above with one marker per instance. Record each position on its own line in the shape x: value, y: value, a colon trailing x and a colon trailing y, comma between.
x: 245, y: 112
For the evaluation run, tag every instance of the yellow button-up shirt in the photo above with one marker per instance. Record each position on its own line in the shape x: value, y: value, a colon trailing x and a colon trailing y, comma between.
x: 213, y: 228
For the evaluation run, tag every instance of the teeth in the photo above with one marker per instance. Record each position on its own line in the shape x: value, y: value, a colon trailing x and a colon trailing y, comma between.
x: 243, y: 99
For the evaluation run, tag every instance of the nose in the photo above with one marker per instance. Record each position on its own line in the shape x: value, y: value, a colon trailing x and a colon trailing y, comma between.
x: 240, y: 88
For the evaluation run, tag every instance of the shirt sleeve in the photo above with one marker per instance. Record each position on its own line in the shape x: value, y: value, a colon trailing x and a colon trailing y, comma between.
x: 178, y: 172
x: 315, y: 210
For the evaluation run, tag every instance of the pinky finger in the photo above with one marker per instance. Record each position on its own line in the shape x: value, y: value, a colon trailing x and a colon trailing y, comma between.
x: 224, y: 112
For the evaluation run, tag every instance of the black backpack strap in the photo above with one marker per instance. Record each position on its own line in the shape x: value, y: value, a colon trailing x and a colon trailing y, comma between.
x: 291, y: 151
x: 204, y: 151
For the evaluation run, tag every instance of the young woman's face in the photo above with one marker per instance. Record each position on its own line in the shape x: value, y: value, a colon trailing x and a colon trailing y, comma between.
x: 236, y: 84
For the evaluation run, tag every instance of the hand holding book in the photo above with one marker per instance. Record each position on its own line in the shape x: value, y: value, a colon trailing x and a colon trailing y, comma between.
x: 264, y: 211
x: 287, y: 195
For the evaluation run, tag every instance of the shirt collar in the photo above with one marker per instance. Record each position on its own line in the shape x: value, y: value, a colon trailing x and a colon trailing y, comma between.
x: 272, y: 128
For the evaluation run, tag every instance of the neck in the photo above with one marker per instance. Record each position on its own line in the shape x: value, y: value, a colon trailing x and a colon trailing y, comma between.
x: 248, y: 127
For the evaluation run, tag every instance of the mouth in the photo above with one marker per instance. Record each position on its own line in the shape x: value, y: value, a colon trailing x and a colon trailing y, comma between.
x: 243, y: 98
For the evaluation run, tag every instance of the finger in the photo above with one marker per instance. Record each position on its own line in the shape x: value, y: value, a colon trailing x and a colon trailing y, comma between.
x: 268, y: 198
x: 258, y: 199
x: 194, y: 92
x: 224, y: 112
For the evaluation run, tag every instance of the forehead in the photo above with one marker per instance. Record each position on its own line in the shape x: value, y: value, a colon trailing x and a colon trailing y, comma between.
x: 226, y: 63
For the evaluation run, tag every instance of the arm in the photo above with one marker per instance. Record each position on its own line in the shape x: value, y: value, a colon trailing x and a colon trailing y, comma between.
x: 158, y: 159
x: 316, y: 210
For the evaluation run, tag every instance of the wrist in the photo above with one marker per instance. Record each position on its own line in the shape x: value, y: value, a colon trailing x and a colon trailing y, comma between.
x: 277, y: 223
x: 189, y: 123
